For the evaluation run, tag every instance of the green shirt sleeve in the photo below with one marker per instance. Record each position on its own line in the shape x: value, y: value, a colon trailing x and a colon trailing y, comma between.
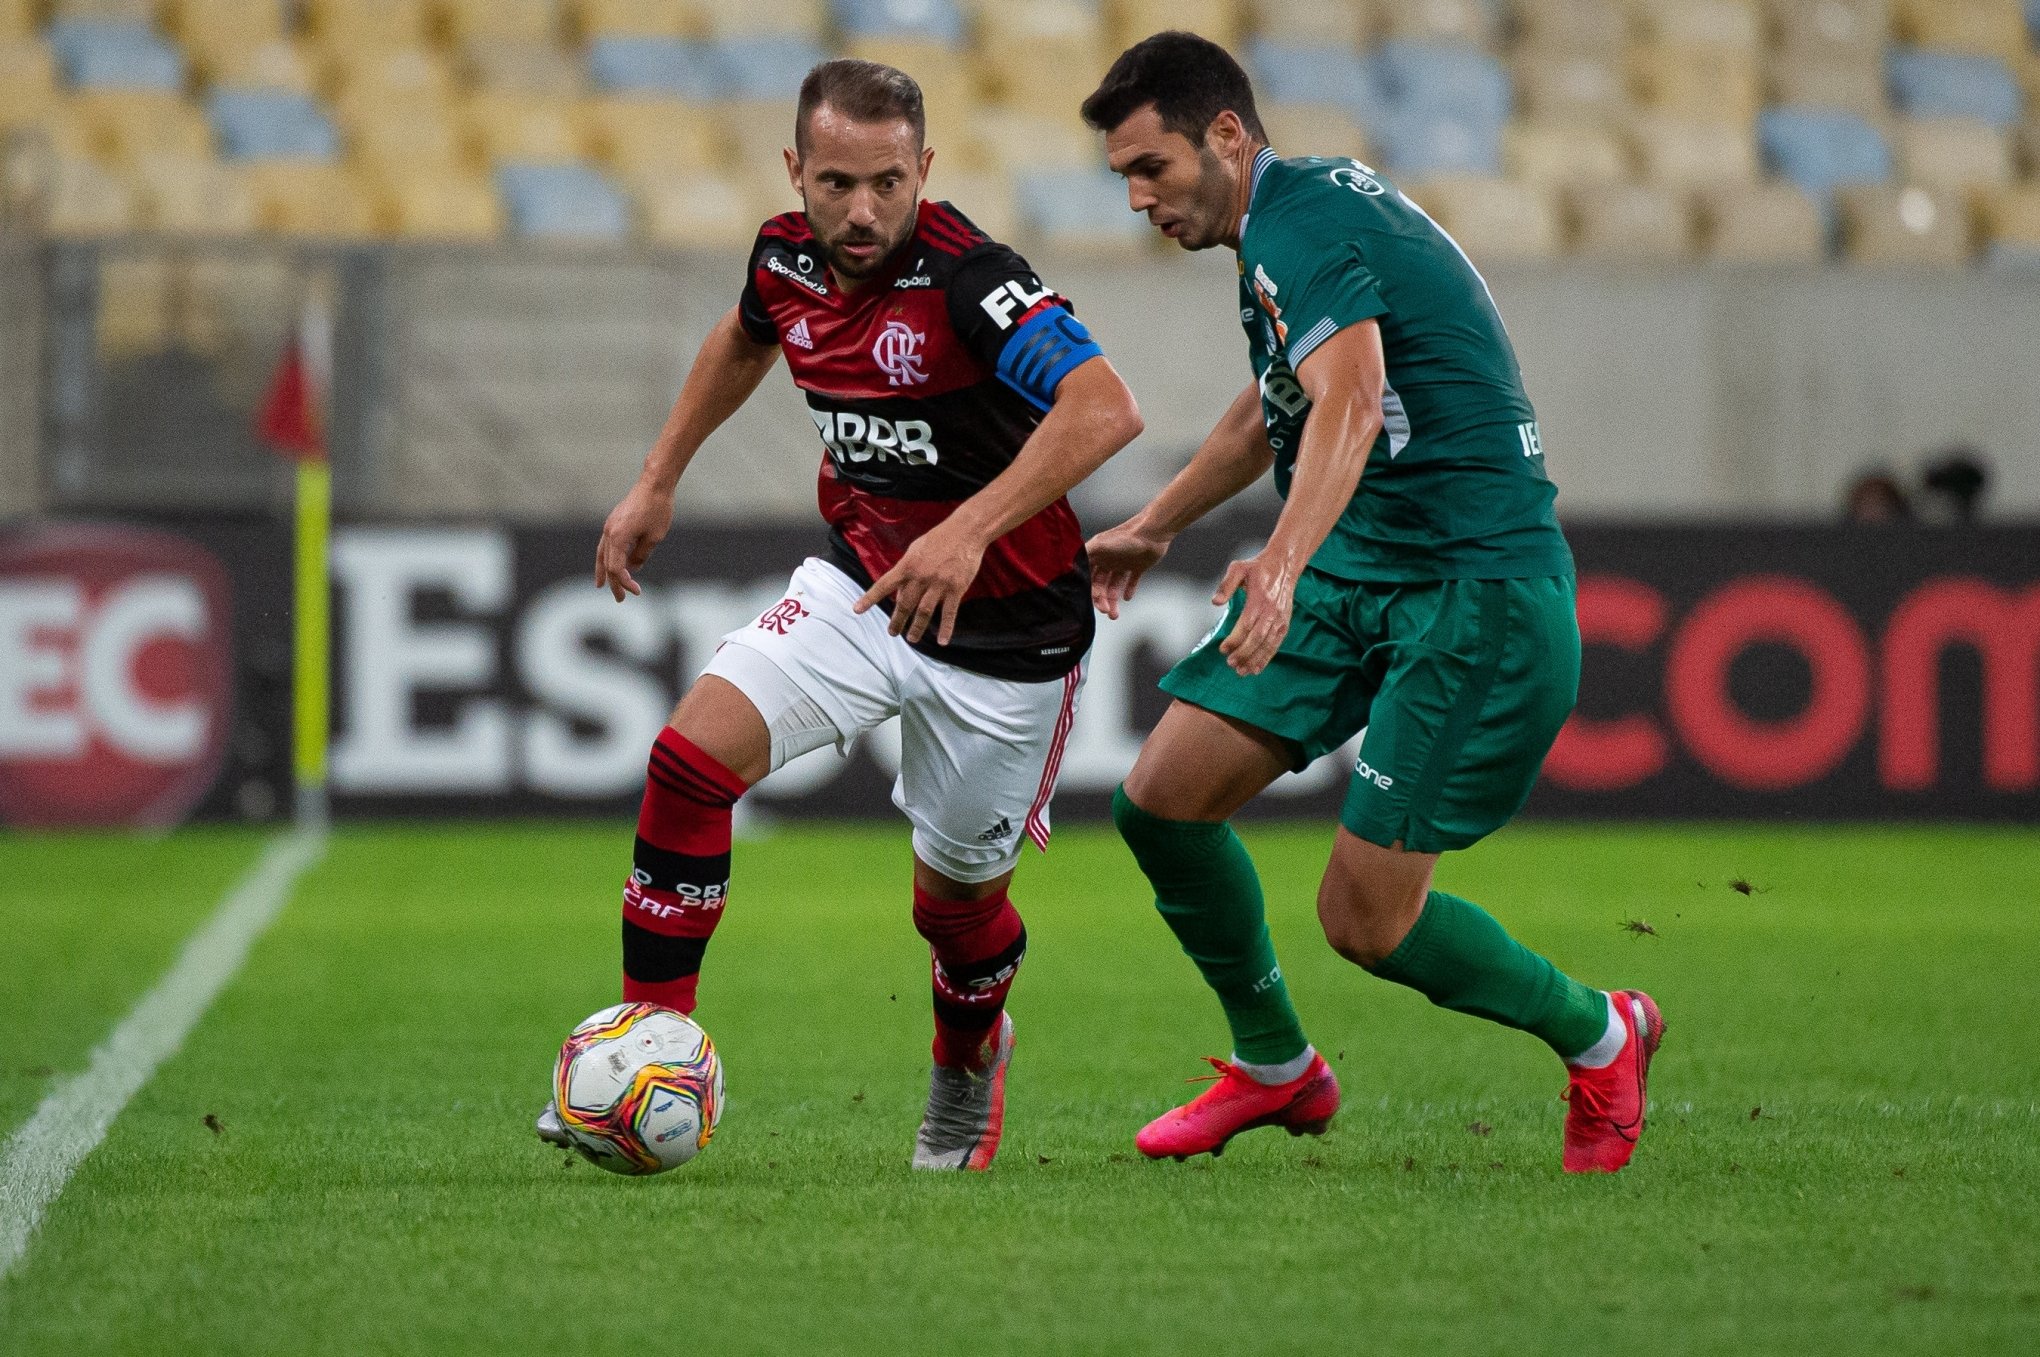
x: 1332, y: 288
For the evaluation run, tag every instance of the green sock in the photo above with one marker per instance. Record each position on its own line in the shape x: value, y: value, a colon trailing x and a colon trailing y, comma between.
x: 1458, y: 957
x: 1206, y: 888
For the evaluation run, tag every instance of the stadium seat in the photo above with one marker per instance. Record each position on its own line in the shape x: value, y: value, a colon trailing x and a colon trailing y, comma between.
x: 1598, y: 28
x: 694, y: 211
x: 807, y: 19
x: 28, y: 83
x: 987, y: 199
x: 1909, y: 226
x: 261, y: 124
x: 532, y: 21
x: 368, y: 25
x: 1133, y: 20
x: 755, y: 133
x: 1018, y: 141
x: 219, y: 35
x: 188, y: 195
x: 520, y: 65
x: 948, y: 89
x: 667, y: 66
x: 68, y: 196
x: 1821, y: 150
x: 96, y: 55
x: 593, y: 19
x: 1682, y: 153
x: 127, y: 124
x: 1629, y: 222
x: 307, y: 198
x: 19, y: 19
x: 279, y: 65
x: 2011, y: 223
x: 646, y: 136
x: 1830, y: 29
x: 1494, y: 220
x: 439, y: 207
x: 1286, y: 73
x: 104, y: 11
x: 1760, y: 223
x: 1314, y: 129
x: 408, y: 76
x: 503, y: 128
x: 1444, y: 78
x: 569, y: 203
x: 1556, y: 154
x: 405, y: 141
x: 1034, y: 54
x: 1697, y: 82
x: 1820, y: 80
x: 770, y: 67
x: 1421, y: 144
x: 1560, y: 86
x: 1953, y: 154
x: 938, y: 21
x: 1326, y: 23
x: 1082, y: 209
x: 1730, y: 25
x: 2028, y: 139
x: 1455, y: 21
x: 1954, y: 85
x: 1983, y: 27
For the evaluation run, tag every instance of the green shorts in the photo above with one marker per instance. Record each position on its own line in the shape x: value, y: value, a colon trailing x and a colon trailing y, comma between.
x: 1460, y: 685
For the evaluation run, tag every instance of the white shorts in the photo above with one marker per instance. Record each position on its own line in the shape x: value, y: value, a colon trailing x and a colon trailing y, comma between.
x: 978, y: 755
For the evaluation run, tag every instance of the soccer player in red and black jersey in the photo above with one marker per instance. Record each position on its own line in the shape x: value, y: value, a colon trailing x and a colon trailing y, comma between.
x: 958, y: 400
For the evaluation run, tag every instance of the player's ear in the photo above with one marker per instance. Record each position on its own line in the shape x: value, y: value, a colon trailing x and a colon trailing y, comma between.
x: 1226, y: 132
x: 927, y: 160
x: 793, y: 171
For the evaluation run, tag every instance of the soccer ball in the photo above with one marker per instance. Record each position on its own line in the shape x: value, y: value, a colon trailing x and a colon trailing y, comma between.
x: 639, y: 1088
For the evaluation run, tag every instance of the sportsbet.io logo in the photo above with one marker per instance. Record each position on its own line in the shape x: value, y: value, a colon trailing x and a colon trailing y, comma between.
x: 115, y: 676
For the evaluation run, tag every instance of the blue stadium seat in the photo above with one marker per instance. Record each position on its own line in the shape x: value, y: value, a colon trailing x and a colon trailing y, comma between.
x: 270, y: 124
x: 1821, y: 150
x: 1088, y: 203
x: 1444, y: 78
x: 657, y: 65
x: 766, y: 68
x: 926, y: 20
x: 1419, y: 143
x: 2033, y: 20
x: 96, y: 54
x: 1294, y: 73
x: 1954, y: 85
x: 562, y: 202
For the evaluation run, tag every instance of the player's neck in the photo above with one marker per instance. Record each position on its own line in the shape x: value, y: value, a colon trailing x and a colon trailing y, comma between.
x: 1243, y: 190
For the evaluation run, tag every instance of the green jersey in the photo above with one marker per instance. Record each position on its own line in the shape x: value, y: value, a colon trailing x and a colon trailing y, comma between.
x: 1454, y: 488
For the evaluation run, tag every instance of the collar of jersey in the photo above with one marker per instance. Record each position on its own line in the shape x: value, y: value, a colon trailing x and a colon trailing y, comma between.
x: 1262, y: 160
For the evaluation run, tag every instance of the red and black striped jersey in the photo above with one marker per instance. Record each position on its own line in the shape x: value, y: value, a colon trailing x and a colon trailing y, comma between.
x: 923, y: 383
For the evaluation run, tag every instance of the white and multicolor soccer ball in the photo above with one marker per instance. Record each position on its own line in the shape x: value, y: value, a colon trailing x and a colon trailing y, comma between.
x: 639, y: 1088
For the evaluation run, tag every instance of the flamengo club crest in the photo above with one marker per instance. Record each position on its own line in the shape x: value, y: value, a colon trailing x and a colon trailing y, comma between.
x: 898, y: 354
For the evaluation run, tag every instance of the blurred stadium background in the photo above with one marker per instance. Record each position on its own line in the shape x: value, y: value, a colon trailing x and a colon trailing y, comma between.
x: 1773, y: 267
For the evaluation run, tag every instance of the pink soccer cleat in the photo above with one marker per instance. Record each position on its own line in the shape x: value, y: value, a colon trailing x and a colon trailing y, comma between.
x: 1605, y: 1115
x: 1236, y: 1103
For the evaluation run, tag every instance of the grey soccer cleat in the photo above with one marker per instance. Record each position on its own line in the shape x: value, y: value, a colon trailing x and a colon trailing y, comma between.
x: 549, y: 1128
x: 966, y: 1111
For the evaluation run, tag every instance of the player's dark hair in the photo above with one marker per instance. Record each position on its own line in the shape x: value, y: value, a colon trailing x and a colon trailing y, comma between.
x: 862, y: 91
x: 1189, y: 80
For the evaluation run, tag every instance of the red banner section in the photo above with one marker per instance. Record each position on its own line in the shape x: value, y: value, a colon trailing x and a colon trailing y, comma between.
x: 1765, y: 673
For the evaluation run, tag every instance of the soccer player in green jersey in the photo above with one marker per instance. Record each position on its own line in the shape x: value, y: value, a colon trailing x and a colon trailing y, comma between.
x: 1416, y: 586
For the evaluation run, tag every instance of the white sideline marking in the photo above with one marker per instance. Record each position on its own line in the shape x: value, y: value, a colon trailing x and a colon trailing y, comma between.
x: 73, y: 1119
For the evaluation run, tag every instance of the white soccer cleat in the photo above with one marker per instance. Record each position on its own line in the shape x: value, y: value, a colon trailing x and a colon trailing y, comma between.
x: 966, y: 1111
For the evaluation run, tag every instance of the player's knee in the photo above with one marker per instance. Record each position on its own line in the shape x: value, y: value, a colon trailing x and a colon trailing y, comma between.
x: 1362, y: 921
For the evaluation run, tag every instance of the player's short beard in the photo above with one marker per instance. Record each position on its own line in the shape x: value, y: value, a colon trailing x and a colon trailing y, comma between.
x: 848, y: 268
x: 1213, y: 202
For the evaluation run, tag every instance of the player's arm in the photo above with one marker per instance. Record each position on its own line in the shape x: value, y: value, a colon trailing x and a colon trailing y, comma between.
x: 1344, y: 378
x: 1093, y: 416
x: 1231, y: 458
x: 726, y: 370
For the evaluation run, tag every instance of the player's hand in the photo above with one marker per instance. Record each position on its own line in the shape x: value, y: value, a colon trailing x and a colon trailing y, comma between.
x: 930, y: 580
x: 632, y: 529
x: 1119, y: 557
x: 1269, y: 580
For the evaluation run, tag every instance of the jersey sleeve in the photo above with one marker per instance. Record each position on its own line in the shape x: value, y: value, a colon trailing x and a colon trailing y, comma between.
x: 1329, y: 288
x: 751, y: 310
x: 1015, y: 325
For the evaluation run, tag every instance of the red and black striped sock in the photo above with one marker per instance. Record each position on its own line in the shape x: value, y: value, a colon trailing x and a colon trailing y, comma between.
x: 680, y: 872
x: 977, y: 946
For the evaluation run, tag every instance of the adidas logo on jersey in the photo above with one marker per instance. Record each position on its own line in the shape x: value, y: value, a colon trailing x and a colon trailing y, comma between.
x: 798, y: 335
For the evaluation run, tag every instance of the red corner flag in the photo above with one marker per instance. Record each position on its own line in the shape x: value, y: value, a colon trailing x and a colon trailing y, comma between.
x: 290, y: 420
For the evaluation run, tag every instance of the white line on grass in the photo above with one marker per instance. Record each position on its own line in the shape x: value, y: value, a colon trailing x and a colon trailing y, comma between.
x: 73, y: 1119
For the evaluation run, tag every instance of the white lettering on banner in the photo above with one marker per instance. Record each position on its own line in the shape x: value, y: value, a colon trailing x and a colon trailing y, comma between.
x: 32, y: 667
x: 624, y: 704
x: 391, y: 658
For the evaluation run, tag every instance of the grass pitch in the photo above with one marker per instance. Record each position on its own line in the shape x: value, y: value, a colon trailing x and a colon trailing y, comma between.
x: 1844, y: 1146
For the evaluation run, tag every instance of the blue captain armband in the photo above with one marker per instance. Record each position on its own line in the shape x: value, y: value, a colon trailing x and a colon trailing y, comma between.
x: 1046, y: 347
